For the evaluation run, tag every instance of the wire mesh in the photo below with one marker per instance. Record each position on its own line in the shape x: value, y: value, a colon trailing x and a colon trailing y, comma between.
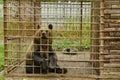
x: 79, y: 39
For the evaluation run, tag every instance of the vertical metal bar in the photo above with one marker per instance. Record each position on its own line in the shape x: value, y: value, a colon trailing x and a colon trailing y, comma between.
x: 5, y: 37
x: 40, y: 12
x: 102, y: 24
x: 35, y: 27
x: 91, y: 29
x: 37, y: 12
x: 19, y: 40
x: 34, y: 14
x: 91, y: 34
x: 95, y: 34
x: 70, y: 21
x: 81, y: 11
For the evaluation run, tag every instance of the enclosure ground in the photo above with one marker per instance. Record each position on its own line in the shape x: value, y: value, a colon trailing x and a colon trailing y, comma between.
x: 47, y: 79
x: 80, y: 70
x: 80, y: 67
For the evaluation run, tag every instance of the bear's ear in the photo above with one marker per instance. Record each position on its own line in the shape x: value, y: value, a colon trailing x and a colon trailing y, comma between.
x: 50, y: 26
x: 38, y: 27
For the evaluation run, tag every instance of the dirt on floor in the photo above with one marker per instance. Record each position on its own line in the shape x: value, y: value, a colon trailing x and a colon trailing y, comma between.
x: 75, y: 64
x: 79, y: 65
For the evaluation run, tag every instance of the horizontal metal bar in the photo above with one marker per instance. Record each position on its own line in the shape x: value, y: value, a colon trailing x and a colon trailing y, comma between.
x: 64, y: 76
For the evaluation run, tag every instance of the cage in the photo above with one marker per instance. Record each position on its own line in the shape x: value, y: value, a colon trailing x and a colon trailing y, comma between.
x: 83, y: 38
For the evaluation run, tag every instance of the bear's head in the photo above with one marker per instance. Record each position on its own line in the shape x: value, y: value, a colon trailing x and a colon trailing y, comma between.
x: 45, y: 33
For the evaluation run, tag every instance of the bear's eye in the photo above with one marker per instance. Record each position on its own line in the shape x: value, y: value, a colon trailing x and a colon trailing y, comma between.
x: 46, y: 31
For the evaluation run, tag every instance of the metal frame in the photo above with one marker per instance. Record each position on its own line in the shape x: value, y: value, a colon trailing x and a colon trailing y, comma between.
x: 21, y: 19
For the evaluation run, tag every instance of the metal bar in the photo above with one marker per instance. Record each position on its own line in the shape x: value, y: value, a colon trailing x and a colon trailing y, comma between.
x: 19, y: 40
x: 35, y: 14
x: 65, y: 76
x: 81, y: 21
x: 5, y: 37
x: 102, y: 24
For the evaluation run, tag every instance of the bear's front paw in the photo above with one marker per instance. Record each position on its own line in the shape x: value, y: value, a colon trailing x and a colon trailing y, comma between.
x: 58, y: 70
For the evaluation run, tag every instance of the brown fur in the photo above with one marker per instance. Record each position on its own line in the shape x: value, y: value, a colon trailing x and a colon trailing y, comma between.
x: 41, y: 44
x: 42, y: 51
x: 43, y: 41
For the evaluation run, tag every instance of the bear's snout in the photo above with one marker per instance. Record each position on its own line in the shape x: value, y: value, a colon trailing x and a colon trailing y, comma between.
x: 44, y: 35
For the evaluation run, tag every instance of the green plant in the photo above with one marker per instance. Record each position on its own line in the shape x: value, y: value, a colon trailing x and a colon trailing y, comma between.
x: 70, y: 34
x: 68, y: 43
x: 1, y: 1
x: 1, y: 57
x: 1, y: 28
x: 1, y: 76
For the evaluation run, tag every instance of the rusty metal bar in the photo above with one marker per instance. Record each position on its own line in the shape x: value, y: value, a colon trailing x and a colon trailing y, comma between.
x: 5, y: 37
x: 65, y: 76
x: 81, y: 21
x: 35, y: 14
x: 102, y: 25
x: 19, y: 25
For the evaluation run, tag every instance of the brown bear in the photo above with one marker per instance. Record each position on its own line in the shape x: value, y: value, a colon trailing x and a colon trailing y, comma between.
x: 43, y: 59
